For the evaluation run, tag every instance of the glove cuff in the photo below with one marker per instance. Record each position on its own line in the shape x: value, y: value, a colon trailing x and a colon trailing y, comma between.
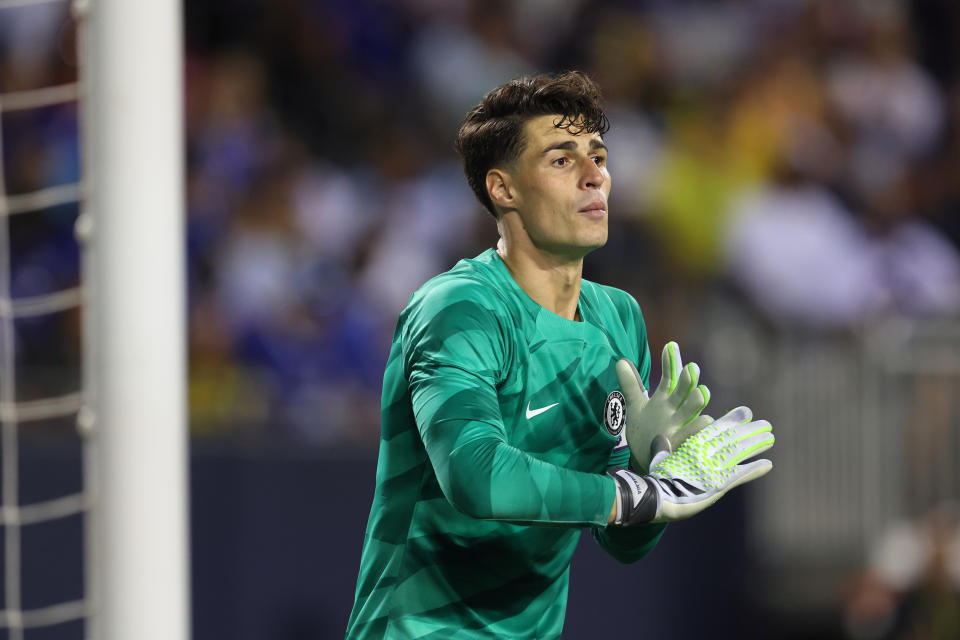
x: 637, y: 499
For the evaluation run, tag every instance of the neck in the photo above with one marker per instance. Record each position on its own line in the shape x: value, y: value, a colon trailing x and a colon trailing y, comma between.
x: 551, y: 281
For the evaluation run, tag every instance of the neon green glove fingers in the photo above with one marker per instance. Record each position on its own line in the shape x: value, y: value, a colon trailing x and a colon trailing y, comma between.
x: 665, y: 417
x: 670, y: 366
x: 686, y: 381
x: 691, y: 406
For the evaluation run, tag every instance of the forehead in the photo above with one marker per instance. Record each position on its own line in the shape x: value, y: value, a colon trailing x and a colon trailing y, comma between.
x: 542, y: 130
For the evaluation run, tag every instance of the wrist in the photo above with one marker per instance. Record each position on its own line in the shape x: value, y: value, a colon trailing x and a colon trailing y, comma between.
x: 615, y: 509
x: 637, y: 498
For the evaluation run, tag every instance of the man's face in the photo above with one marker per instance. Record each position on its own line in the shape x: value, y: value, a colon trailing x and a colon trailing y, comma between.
x: 561, y: 185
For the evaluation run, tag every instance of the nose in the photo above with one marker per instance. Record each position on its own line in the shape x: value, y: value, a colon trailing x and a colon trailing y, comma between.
x: 592, y: 176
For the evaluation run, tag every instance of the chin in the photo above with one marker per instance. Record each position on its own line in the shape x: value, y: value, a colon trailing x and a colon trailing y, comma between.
x: 590, y: 245
x: 595, y: 242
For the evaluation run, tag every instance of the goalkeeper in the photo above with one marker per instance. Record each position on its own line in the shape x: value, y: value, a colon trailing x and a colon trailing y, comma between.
x: 514, y: 409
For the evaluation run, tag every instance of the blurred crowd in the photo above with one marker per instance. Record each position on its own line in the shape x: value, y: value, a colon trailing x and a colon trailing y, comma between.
x: 802, y: 156
x: 910, y: 587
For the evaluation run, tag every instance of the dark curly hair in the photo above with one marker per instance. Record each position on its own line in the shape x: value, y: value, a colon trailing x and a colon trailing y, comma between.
x: 492, y: 132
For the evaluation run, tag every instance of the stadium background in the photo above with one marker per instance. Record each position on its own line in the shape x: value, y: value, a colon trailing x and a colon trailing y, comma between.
x: 786, y: 181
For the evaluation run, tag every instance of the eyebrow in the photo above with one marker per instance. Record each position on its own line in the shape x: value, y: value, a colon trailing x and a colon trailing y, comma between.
x: 570, y: 145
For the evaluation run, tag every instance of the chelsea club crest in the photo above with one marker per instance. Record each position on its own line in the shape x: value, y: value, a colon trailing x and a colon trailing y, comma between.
x: 614, y: 416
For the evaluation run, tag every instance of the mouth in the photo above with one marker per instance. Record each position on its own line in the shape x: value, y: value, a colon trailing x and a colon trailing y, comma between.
x: 594, y: 209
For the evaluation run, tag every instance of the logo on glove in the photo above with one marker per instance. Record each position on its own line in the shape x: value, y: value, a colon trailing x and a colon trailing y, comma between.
x: 614, y: 414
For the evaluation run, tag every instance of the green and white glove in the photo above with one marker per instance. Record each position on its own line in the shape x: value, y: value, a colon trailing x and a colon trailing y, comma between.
x: 701, y: 471
x: 670, y: 416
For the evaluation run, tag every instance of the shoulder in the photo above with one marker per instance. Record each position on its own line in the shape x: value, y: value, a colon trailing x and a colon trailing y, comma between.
x: 456, y: 318
x: 463, y: 289
x: 461, y: 299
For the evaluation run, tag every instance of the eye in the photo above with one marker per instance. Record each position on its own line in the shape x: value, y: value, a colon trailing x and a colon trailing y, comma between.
x: 599, y: 160
x: 560, y: 162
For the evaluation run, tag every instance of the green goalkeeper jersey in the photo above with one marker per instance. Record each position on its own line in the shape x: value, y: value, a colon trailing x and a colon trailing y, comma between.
x: 499, y: 419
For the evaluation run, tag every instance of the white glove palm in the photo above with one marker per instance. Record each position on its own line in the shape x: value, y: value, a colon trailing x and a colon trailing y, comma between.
x: 710, y: 463
x: 701, y: 471
x: 670, y: 416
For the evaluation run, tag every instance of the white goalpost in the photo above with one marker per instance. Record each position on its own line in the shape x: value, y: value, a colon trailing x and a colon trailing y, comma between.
x: 133, y: 224
x: 131, y: 411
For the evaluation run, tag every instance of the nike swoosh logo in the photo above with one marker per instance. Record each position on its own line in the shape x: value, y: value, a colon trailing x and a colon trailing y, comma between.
x: 536, y: 412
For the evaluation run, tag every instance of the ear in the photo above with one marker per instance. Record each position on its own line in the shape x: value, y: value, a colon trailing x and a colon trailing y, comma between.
x: 501, y: 190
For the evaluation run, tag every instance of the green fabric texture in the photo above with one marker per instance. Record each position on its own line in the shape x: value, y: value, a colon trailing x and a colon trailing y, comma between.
x: 492, y: 458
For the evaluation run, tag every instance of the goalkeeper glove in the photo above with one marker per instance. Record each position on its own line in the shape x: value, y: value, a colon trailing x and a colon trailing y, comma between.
x: 670, y: 416
x: 700, y: 472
